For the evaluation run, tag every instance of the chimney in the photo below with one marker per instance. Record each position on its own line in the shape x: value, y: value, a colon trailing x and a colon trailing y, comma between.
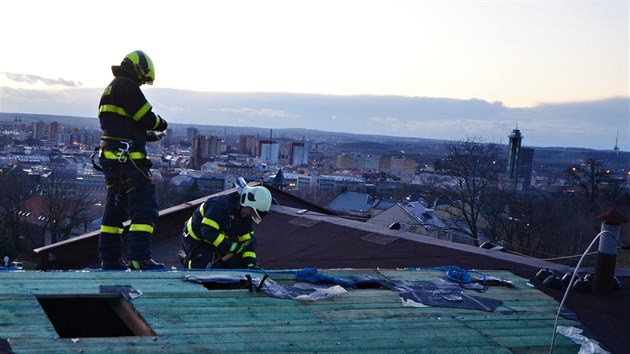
x: 604, y: 277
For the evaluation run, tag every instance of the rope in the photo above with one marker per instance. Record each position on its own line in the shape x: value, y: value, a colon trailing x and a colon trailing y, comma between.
x: 568, y: 257
x: 566, y: 293
x: 148, y: 176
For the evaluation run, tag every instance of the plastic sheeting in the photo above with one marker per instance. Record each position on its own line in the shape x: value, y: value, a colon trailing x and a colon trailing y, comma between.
x: 587, y: 346
x: 301, y: 291
x: 297, y: 291
x: 436, y: 293
x: 441, y: 293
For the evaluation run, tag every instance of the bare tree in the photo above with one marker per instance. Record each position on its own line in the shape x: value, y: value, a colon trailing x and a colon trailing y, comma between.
x: 589, y: 176
x: 471, y: 172
x: 65, y: 208
x: 170, y: 195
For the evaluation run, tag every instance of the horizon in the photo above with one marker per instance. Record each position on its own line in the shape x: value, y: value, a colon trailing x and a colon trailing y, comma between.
x: 607, y: 146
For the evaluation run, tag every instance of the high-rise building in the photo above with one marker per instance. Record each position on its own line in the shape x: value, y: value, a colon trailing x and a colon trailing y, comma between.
x: 54, y: 129
x: 269, y: 151
x: 204, y: 148
x: 247, y: 144
x: 519, y: 163
x: 298, y: 154
x: 402, y: 165
x: 514, y: 149
x: 357, y: 161
x: 40, y: 129
x: 525, y: 166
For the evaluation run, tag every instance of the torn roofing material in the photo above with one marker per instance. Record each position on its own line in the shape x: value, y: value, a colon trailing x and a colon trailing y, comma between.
x: 298, y: 235
x: 184, y: 316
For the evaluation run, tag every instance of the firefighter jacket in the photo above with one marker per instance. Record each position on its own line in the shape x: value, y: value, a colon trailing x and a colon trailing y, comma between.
x: 217, y: 223
x: 126, y: 115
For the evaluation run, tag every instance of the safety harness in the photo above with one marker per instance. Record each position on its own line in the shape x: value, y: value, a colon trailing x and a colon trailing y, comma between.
x: 118, y: 149
x: 189, y: 232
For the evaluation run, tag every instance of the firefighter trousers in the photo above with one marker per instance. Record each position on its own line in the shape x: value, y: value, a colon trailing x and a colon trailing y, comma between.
x: 130, y: 195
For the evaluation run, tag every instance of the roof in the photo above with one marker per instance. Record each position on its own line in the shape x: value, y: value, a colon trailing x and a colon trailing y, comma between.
x: 166, y: 312
x: 384, y: 204
x: 297, y: 235
x: 182, y: 180
x: 348, y: 202
x: 395, y: 213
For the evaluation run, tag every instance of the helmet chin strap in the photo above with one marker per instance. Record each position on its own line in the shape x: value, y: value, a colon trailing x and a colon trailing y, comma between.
x: 239, y: 210
x: 142, y: 76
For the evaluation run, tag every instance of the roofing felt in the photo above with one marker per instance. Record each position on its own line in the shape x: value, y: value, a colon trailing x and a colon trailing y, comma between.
x: 180, y: 316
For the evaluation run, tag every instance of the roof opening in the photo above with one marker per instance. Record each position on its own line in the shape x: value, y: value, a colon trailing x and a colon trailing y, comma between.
x: 101, y: 315
x: 225, y: 282
x: 224, y: 285
x: 375, y: 284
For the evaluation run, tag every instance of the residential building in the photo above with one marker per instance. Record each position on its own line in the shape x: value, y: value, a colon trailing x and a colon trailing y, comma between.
x: 298, y: 154
x: 269, y: 151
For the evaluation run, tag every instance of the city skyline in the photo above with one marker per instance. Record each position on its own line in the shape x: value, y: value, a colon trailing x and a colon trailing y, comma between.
x: 489, y: 66
x: 599, y: 125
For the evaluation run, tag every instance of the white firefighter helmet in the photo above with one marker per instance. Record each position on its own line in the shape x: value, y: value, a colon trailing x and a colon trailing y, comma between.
x: 258, y: 198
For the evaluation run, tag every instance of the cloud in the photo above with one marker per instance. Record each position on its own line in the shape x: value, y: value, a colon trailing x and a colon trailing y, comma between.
x: 446, y: 128
x: 580, y: 124
x: 34, y: 79
x: 251, y: 112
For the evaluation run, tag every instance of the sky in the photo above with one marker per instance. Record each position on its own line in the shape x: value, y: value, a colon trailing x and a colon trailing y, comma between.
x: 519, y: 54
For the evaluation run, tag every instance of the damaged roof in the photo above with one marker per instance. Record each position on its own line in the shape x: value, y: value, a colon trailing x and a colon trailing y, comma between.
x: 164, y: 311
x: 297, y: 235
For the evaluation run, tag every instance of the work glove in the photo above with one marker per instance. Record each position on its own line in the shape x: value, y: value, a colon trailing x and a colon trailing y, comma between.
x: 237, y: 247
x: 249, y: 256
x: 153, y: 135
x: 162, y: 125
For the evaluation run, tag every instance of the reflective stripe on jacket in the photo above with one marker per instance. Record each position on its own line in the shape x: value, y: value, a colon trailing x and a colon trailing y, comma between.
x: 125, y: 113
x: 215, y: 222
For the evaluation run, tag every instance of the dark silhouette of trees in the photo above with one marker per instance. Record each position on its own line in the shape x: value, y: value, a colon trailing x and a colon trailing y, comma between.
x: 589, y: 177
x: 471, y: 173
x: 65, y: 209
x: 170, y: 195
x: 15, y: 190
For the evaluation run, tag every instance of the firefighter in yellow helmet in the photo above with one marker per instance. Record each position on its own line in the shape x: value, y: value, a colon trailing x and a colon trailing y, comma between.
x: 128, y: 123
x: 220, y: 232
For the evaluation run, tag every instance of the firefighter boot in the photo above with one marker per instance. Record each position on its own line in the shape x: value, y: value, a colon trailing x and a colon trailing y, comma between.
x: 146, y: 264
x: 117, y: 264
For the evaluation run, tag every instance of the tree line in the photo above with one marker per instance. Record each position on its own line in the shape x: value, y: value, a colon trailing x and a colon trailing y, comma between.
x: 468, y: 186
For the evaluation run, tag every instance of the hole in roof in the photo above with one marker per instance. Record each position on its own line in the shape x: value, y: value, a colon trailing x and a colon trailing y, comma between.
x: 375, y: 284
x: 223, y: 282
x: 210, y: 285
x: 102, y: 315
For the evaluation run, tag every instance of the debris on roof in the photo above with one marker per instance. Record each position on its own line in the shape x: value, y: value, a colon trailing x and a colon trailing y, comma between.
x: 174, y: 314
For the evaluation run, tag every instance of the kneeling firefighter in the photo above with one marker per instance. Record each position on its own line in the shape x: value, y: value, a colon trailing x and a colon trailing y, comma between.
x: 220, y: 233
x: 128, y: 122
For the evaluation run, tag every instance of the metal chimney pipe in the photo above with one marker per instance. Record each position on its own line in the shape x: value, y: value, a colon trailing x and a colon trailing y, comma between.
x: 604, y: 276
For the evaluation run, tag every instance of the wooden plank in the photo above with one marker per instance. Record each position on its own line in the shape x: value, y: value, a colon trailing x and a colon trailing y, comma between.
x: 132, y: 318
